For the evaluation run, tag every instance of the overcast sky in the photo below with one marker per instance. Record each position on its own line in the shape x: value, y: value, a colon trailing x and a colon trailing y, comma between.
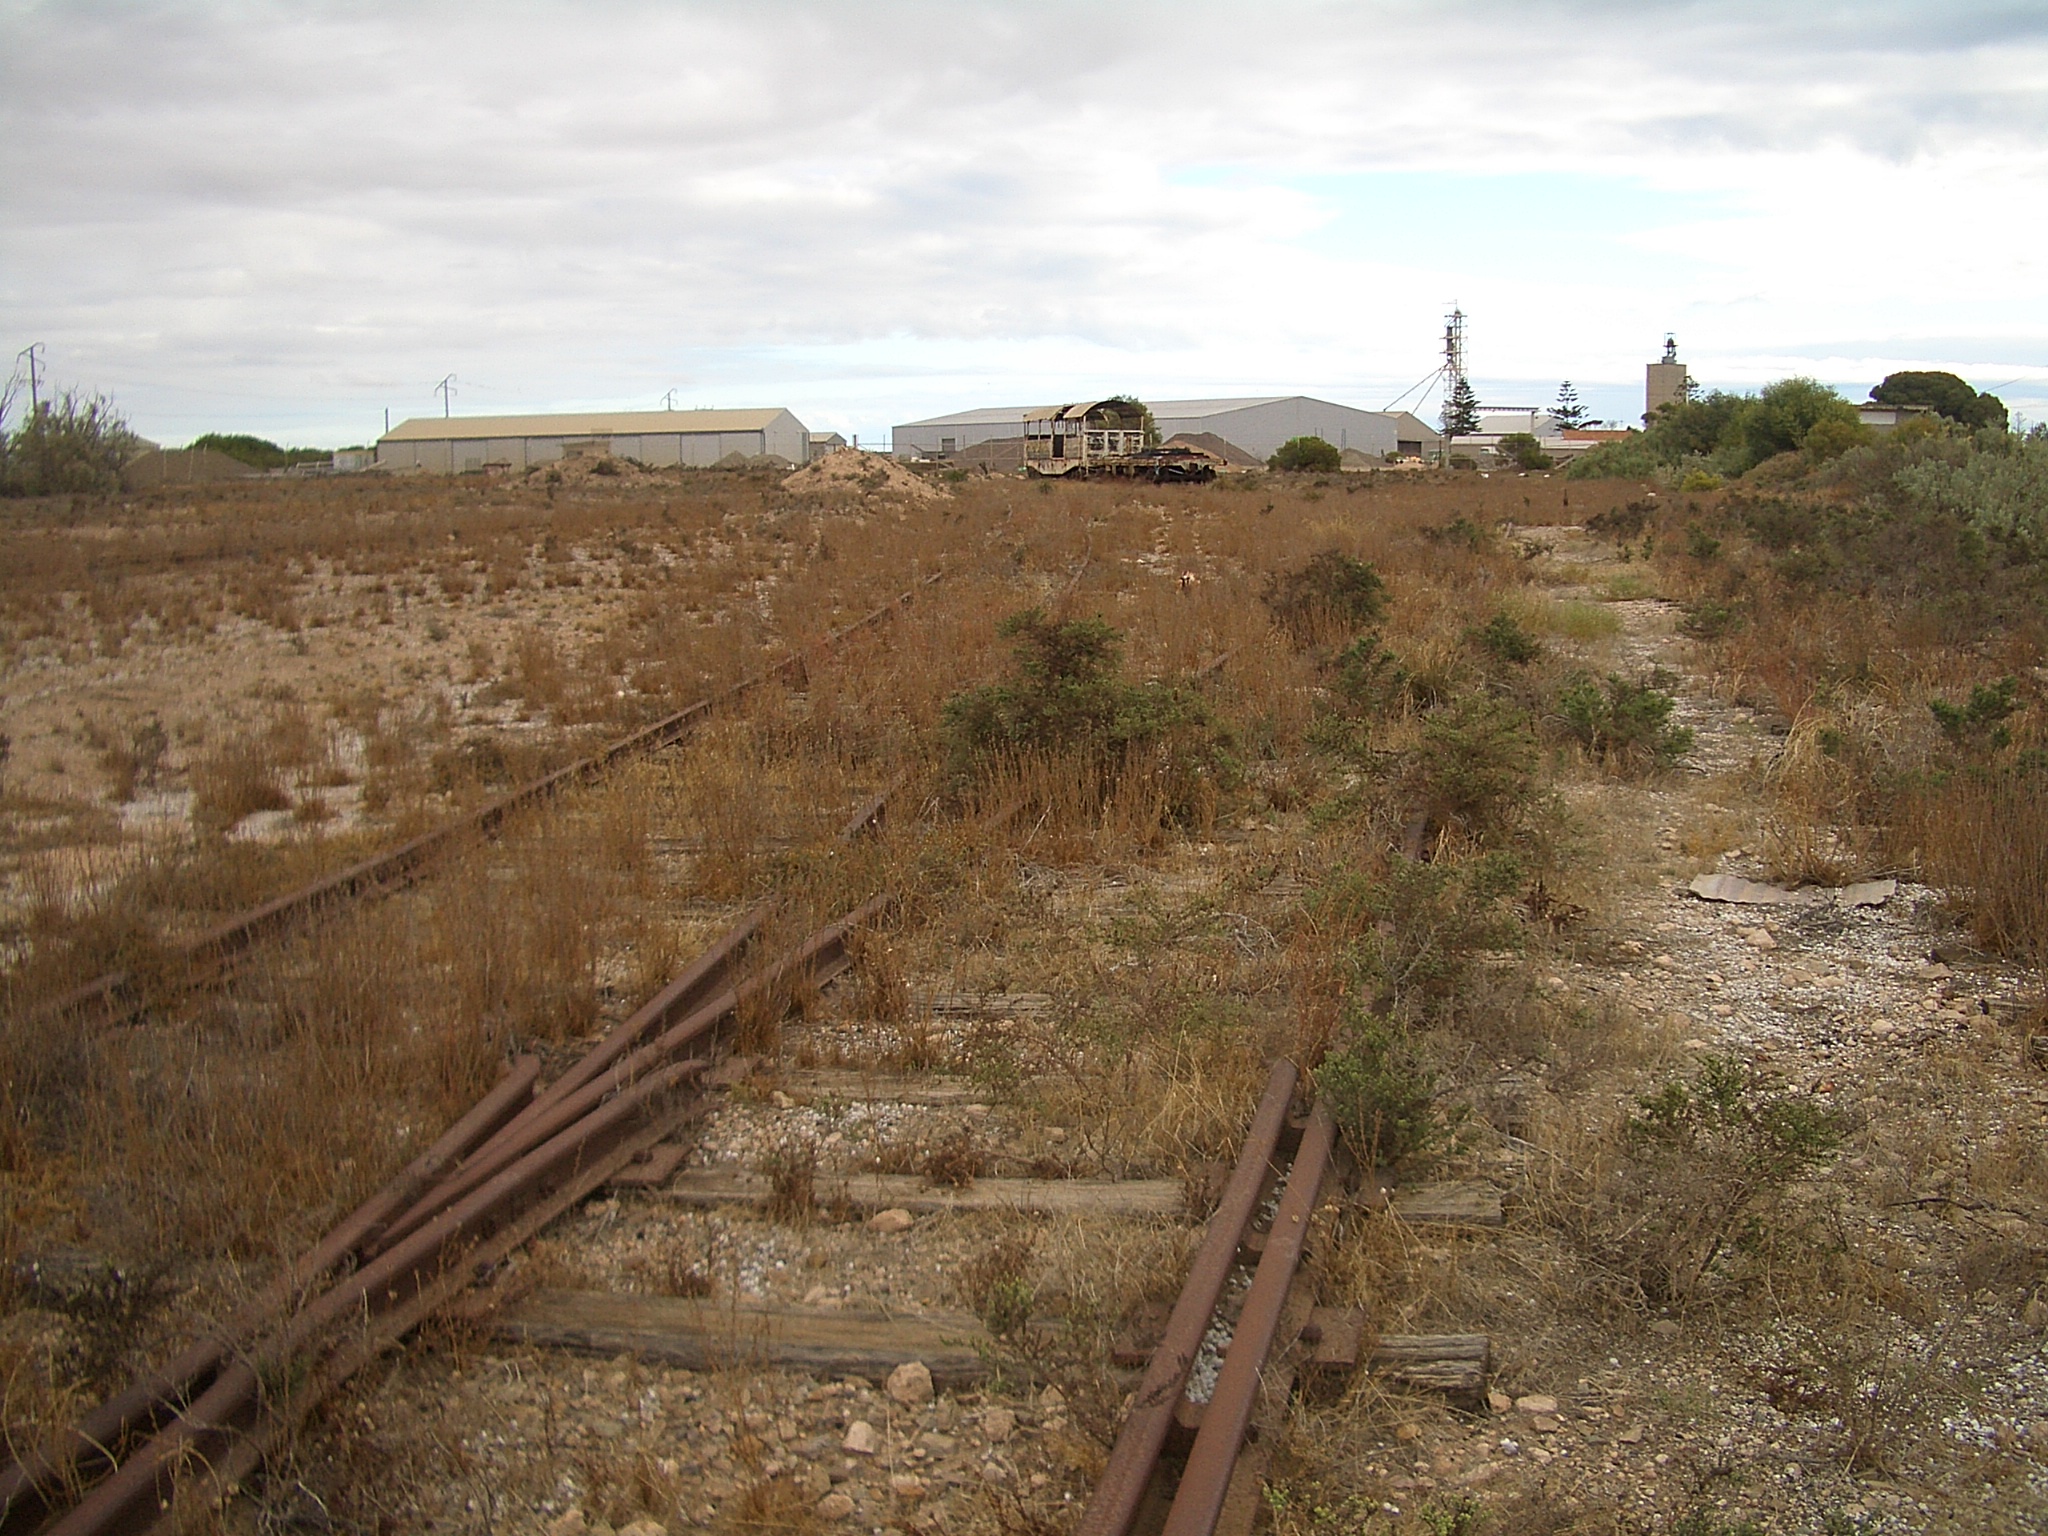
x: 287, y: 218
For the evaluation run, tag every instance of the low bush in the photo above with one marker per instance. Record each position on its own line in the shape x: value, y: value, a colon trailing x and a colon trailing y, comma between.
x: 1622, y: 523
x: 1367, y: 677
x: 1622, y: 723
x: 1333, y: 591
x: 1307, y: 454
x: 1381, y: 1096
x: 1064, y: 695
x: 1522, y: 450
x: 1501, y: 638
x: 996, y: 1283
x: 1476, y: 767
x: 237, y: 781
x: 1977, y: 726
x: 1708, y: 619
x: 1426, y: 925
x: 1703, y: 1164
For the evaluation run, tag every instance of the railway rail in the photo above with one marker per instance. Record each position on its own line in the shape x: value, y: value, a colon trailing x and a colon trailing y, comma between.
x: 204, y: 1422
x: 120, y: 997
x: 198, y: 1428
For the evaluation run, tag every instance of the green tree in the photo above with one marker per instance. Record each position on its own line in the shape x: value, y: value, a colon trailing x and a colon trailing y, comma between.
x: 1697, y: 427
x: 1523, y: 451
x: 1947, y: 394
x: 1306, y: 453
x: 1136, y: 413
x: 1461, y: 410
x: 1568, y: 412
x: 76, y: 443
x: 1779, y: 419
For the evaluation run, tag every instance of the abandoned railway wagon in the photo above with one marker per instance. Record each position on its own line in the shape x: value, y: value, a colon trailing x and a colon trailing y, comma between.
x: 699, y: 439
x: 1113, y: 438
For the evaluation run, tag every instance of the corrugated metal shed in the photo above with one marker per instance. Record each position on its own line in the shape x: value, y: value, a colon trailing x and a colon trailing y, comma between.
x: 453, y: 445
x: 423, y: 429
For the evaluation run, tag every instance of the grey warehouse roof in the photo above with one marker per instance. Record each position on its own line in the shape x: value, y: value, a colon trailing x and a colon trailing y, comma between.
x: 1006, y: 415
x: 422, y: 429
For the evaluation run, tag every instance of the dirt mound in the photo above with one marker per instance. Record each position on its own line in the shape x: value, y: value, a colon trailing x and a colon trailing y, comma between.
x: 578, y: 468
x: 1222, y: 448
x: 849, y: 470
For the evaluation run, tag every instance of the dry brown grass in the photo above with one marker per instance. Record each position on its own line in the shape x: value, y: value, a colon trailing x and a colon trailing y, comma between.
x: 338, y: 1052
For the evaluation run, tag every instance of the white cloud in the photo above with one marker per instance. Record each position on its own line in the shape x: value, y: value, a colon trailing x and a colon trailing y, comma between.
x: 285, y: 216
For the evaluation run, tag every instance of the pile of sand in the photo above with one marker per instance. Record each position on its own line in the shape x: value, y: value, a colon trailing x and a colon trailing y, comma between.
x: 850, y: 471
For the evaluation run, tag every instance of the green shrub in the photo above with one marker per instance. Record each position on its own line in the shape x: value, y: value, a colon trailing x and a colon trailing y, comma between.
x: 1064, y: 694
x: 1430, y: 924
x: 997, y: 1283
x: 1367, y: 677
x: 1623, y: 723
x: 1382, y: 1098
x: 1522, y: 450
x: 1831, y: 438
x: 1630, y: 459
x: 1700, y: 544
x: 1460, y: 532
x: 1978, y: 727
x: 1506, y: 641
x: 1997, y: 485
x: 1476, y: 766
x: 1307, y: 454
x: 1333, y: 590
x: 75, y: 444
x: 1703, y: 1162
x: 1710, y: 620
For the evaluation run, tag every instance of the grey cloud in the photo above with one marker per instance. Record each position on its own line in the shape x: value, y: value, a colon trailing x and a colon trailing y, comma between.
x: 297, y: 192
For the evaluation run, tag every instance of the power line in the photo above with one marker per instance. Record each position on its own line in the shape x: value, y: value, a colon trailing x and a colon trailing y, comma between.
x: 446, y: 389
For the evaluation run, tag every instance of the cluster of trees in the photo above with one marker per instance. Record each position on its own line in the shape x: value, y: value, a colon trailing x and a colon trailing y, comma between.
x: 259, y: 452
x: 1727, y: 434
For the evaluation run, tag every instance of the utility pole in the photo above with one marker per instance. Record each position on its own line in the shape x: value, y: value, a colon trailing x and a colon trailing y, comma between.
x: 446, y: 390
x: 668, y: 401
x: 35, y: 385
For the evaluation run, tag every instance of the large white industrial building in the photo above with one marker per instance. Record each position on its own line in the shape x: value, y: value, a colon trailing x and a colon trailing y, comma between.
x: 454, y: 445
x: 1258, y: 425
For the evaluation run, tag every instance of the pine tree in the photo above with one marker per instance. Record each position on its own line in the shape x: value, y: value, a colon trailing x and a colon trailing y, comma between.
x: 1461, y: 410
x: 1568, y: 412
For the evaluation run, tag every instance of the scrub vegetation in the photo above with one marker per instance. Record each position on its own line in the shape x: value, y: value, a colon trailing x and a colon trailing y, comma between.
x: 1396, y: 774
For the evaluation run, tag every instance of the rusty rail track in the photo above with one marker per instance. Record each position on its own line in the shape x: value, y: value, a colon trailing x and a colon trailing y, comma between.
x: 201, y: 1424
x: 120, y: 997
x: 1136, y: 1475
